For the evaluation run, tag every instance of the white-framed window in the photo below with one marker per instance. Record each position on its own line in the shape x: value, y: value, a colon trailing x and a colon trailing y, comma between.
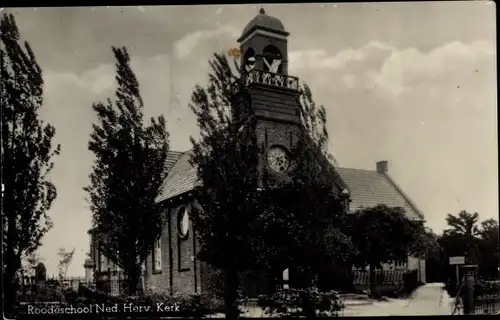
x: 286, y: 279
x: 157, y: 255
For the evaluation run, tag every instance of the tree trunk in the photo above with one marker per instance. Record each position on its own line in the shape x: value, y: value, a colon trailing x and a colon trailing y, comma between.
x: 231, y: 294
x: 373, y: 282
x: 132, y: 280
x: 12, y: 262
x: 10, y: 282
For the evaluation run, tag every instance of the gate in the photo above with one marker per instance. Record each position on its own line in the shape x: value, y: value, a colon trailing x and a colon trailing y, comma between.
x: 487, y: 304
x: 487, y: 297
x: 476, y: 296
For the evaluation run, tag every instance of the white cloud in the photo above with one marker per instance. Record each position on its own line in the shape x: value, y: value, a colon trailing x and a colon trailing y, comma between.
x: 97, y: 80
x: 402, y: 69
x: 320, y: 59
x: 190, y: 42
x: 388, y: 70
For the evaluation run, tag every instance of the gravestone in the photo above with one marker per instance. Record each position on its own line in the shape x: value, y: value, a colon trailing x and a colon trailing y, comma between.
x: 40, y: 273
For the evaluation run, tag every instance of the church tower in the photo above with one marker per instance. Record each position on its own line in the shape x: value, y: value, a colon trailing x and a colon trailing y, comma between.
x: 274, y: 94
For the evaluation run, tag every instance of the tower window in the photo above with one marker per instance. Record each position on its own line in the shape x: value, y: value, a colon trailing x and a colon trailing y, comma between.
x: 249, y: 59
x: 272, y: 59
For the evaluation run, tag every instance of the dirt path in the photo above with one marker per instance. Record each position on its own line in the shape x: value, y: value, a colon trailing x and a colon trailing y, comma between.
x: 430, y: 299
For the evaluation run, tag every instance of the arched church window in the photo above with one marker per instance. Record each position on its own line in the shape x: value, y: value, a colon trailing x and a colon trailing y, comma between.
x: 183, y: 222
x: 286, y: 279
x: 272, y: 59
x: 249, y: 59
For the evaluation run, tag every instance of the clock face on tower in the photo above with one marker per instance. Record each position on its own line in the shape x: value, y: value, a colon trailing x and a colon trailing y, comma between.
x: 278, y: 159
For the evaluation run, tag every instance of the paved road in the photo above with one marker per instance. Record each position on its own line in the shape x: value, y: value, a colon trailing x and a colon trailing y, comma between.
x: 430, y: 299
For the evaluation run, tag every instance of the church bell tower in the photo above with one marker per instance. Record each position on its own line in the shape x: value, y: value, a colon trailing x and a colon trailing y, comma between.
x: 274, y: 94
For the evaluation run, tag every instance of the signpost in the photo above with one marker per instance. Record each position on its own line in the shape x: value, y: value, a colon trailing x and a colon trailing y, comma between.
x: 457, y: 261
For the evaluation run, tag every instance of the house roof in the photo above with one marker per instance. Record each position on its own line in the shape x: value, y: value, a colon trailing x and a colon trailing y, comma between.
x: 366, y: 187
x: 369, y: 188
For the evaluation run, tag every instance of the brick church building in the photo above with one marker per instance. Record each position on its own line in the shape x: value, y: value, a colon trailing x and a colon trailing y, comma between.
x: 172, y: 266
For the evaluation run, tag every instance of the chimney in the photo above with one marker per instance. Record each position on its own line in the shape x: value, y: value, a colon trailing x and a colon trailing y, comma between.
x: 382, y: 166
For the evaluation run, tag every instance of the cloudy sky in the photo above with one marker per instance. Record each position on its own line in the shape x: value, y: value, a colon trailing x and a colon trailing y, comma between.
x: 412, y: 83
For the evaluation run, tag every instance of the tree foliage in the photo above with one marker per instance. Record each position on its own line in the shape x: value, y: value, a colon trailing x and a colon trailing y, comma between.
x: 226, y: 158
x: 27, y: 152
x: 426, y: 243
x: 127, y: 173
x: 464, y: 231
x: 65, y: 259
x: 382, y: 234
x: 489, y: 249
x: 478, y: 242
x: 314, y: 122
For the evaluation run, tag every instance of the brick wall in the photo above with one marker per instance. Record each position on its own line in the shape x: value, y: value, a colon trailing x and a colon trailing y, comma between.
x: 179, y: 262
x: 158, y: 281
x: 271, y: 134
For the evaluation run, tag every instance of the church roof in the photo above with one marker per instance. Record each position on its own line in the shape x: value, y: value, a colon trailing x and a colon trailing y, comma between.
x: 264, y: 21
x: 366, y: 187
x: 182, y: 176
x: 369, y: 188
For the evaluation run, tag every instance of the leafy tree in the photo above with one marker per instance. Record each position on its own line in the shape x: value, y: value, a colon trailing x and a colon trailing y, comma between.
x: 27, y: 152
x: 478, y: 242
x: 488, y: 246
x: 464, y: 229
x: 127, y: 173
x: 239, y: 214
x: 382, y: 234
x: 464, y: 224
x: 29, y: 263
x: 307, y: 217
x: 65, y: 259
x: 305, y: 209
x: 314, y: 122
x: 426, y: 243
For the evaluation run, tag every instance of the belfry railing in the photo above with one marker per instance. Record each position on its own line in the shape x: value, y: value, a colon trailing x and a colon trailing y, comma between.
x: 272, y: 79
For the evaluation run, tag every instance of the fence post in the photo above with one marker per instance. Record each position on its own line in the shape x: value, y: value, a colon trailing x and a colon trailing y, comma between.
x: 469, y: 278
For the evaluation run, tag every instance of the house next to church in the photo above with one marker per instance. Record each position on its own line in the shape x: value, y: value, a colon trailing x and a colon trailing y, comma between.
x: 172, y: 266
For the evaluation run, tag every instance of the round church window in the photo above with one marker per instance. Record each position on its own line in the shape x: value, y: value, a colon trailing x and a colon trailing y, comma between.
x: 278, y: 159
x: 183, y: 222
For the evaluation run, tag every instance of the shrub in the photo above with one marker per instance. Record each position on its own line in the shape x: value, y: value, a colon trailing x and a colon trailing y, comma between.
x: 308, y: 302
x: 410, y: 281
x: 189, y: 306
x: 482, y: 288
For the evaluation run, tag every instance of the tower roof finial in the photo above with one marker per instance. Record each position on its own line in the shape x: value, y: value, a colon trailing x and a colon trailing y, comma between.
x: 262, y: 11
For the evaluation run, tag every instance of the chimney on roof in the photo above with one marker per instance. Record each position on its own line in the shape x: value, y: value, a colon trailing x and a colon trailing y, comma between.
x: 382, y: 166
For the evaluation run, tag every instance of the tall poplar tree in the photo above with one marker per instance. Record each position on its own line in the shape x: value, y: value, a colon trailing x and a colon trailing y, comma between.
x: 226, y: 158
x: 128, y: 171
x: 27, y: 153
